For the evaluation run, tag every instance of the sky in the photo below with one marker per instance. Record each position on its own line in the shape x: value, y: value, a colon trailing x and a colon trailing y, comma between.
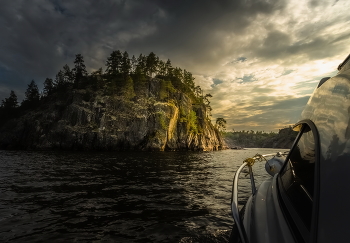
x: 259, y: 59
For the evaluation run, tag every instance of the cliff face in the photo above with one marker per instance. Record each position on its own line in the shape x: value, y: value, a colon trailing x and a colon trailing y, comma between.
x: 83, y: 120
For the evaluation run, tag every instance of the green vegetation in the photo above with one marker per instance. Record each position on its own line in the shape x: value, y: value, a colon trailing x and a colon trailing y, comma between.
x: 220, y: 124
x: 259, y: 139
x: 122, y: 76
x: 166, y: 89
x: 161, y: 120
x: 192, y: 122
x: 249, y: 138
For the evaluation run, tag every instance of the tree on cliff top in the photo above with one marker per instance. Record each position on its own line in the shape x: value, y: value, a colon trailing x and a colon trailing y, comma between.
x: 79, y: 70
x: 220, y: 124
x: 125, y: 76
x: 68, y: 74
x: 189, y: 80
x: 125, y: 66
x: 48, y: 86
x: 151, y: 63
x: 113, y: 63
x: 168, y: 67
x: 32, y: 94
x: 207, y: 104
x: 10, y: 102
x: 8, y: 108
x: 59, y: 81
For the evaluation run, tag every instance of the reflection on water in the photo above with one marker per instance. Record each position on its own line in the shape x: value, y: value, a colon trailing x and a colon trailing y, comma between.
x: 122, y: 197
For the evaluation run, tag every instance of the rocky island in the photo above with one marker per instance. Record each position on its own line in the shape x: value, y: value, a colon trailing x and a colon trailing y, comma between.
x: 135, y: 104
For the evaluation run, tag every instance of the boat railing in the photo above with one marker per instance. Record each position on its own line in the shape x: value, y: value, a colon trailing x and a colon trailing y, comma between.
x: 234, y: 198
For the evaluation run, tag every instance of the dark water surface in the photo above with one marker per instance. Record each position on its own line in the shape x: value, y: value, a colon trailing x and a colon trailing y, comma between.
x: 119, y: 197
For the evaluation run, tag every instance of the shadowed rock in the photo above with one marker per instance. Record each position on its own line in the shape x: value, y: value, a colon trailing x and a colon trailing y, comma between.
x: 101, y: 122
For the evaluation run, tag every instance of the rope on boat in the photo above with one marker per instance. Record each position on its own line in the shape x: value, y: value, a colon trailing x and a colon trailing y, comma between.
x: 261, y: 157
x: 256, y: 158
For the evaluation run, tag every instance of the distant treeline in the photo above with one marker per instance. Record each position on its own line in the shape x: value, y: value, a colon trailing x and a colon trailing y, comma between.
x: 260, y: 139
x: 121, y: 76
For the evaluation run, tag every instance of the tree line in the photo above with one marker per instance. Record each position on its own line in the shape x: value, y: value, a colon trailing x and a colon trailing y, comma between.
x: 260, y: 139
x: 121, y: 75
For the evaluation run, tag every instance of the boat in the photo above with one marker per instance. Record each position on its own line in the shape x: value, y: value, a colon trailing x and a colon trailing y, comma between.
x: 306, y: 199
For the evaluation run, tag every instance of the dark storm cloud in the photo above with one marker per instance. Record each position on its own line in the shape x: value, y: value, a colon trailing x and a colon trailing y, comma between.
x: 39, y: 37
x: 279, y: 45
x: 186, y: 19
x: 195, y: 31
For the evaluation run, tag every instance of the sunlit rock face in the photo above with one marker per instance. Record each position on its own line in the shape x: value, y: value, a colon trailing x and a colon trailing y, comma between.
x: 79, y: 120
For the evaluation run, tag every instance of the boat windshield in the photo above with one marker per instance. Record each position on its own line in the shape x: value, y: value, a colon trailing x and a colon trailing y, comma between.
x: 297, y: 177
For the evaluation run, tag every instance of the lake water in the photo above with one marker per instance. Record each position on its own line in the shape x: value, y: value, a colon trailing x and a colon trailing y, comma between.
x: 120, y: 197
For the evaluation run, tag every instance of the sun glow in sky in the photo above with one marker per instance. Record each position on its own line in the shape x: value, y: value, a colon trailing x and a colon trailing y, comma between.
x: 260, y: 59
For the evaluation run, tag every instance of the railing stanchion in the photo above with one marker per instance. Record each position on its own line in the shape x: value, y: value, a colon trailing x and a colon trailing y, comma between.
x: 252, y: 182
x: 234, y: 206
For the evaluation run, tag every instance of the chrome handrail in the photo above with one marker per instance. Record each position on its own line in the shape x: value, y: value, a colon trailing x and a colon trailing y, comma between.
x: 234, y: 205
x: 234, y: 198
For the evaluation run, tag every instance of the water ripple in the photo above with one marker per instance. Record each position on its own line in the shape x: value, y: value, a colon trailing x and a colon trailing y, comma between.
x: 123, y: 197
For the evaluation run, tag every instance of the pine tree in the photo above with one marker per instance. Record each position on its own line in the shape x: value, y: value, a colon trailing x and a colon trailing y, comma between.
x: 32, y: 93
x: 141, y: 65
x: 10, y: 102
x: 113, y: 63
x: 59, y: 80
x: 8, y: 108
x: 198, y: 91
x: 79, y: 70
x: 128, y: 88
x: 188, y: 80
x: 68, y: 74
x: 221, y: 124
x: 206, y: 99
x: 177, y: 73
x: 151, y: 63
x: 207, y: 104
x: 169, y: 68
x: 97, y: 79
x: 48, y: 86
x: 161, y: 68
x: 125, y: 65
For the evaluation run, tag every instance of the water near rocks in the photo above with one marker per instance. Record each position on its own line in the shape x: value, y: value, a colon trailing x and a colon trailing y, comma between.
x: 120, y: 197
